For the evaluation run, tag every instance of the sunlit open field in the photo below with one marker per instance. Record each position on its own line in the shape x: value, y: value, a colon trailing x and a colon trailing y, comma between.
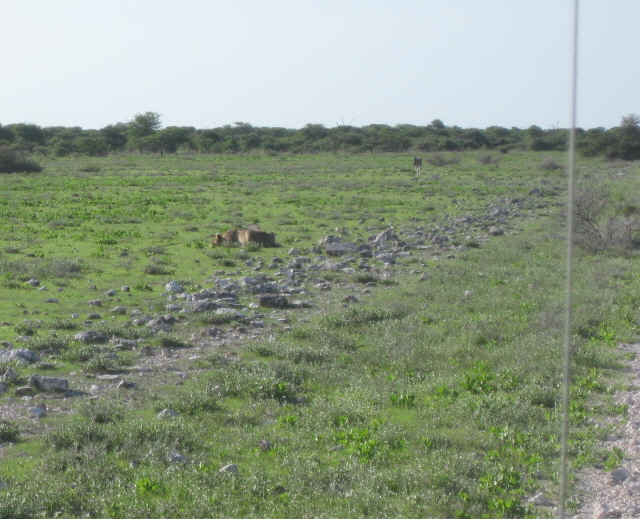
x: 416, y: 372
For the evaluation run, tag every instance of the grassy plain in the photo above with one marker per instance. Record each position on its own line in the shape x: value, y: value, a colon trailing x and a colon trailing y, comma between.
x: 436, y: 395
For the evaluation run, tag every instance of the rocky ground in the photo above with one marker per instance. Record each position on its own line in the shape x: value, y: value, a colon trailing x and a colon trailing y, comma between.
x: 615, y: 494
x: 292, y: 288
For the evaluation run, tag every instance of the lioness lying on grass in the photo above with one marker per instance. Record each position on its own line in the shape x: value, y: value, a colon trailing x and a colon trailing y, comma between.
x: 244, y: 236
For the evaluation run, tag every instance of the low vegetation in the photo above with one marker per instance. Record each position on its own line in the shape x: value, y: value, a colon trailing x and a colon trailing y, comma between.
x: 144, y: 134
x: 426, y: 384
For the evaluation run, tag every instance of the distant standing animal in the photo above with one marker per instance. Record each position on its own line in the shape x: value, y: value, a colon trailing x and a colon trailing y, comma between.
x: 417, y: 163
x: 245, y: 236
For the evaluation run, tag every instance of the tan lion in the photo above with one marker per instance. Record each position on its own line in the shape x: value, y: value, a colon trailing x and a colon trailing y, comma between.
x: 229, y: 237
x: 245, y: 236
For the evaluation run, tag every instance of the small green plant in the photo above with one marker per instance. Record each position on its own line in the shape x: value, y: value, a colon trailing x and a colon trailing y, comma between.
x: 252, y: 247
x: 480, y: 380
x: 196, y: 244
x: 8, y: 432
x: 359, y: 441
x: 28, y: 329
x: 288, y: 420
x: 403, y: 399
x: 147, y: 486
x: 614, y: 458
x: 173, y: 340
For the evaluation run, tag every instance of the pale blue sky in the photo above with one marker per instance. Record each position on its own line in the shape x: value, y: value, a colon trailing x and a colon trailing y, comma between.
x: 207, y: 63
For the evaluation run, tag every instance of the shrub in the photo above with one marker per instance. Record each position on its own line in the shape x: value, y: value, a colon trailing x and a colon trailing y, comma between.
x: 90, y: 168
x: 102, y: 410
x: 487, y: 159
x: 8, y: 432
x: 173, y: 341
x: 550, y: 165
x: 53, y: 342
x: 440, y: 160
x: 603, y: 223
x: 366, y: 278
x: 28, y: 329
x: 155, y: 270
x: 64, y: 324
x: 193, y: 402
x: 12, y: 162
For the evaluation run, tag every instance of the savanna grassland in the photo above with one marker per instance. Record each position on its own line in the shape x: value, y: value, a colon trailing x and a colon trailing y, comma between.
x: 433, y: 392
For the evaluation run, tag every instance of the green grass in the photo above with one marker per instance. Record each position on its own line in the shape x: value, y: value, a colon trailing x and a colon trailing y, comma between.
x: 428, y: 398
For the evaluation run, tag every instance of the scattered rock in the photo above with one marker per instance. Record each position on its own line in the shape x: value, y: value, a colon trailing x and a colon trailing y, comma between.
x: 341, y: 248
x: 176, y: 457
x: 23, y: 355
x: 38, y: 411
x: 9, y: 376
x: 127, y: 384
x: 109, y: 378
x: 326, y: 240
x: 496, y: 231
x: 148, y: 351
x: 540, y: 500
x: 265, y: 445
x: 124, y: 344
x: 384, y: 236
x: 167, y: 413
x: 49, y: 383
x: 619, y: 476
x: 91, y: 336
x: 301, y: 304
x: 24, y: 391
x: 174, y: 286
x: 273, y: 301
x: 386, y: 257
x: 158, y: 324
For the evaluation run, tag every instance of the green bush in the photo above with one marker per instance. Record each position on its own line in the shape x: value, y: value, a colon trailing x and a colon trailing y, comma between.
x: 12, y: 162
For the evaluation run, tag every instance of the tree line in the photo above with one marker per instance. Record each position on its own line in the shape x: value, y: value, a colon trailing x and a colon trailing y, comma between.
x: 144, y: 134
